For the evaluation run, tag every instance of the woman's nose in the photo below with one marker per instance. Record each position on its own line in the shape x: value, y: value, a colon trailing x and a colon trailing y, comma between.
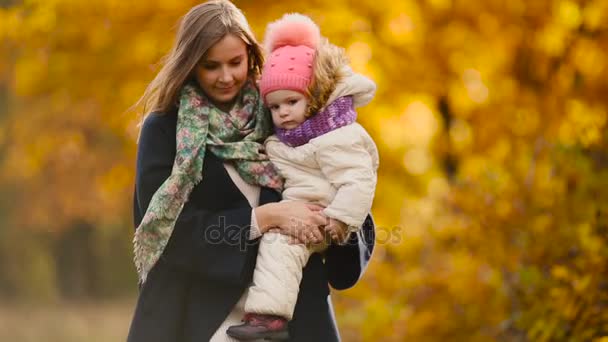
x: 226, y: 75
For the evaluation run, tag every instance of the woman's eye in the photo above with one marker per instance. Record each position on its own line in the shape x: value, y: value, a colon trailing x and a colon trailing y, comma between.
x: 209, y: 66
x: 236, y: 63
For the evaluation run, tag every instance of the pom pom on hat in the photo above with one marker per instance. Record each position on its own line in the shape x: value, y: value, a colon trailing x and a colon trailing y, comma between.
x: 290, y: 44
x: 292, y: 29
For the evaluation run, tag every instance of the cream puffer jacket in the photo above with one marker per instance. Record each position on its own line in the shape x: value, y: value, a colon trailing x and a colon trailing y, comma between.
x: 337, y: 170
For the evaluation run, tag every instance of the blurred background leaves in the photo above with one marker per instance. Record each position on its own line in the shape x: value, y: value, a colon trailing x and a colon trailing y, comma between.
x: 492, y: 201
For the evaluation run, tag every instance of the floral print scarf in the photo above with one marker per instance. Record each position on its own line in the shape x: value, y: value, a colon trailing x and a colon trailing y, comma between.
x: 235, y: 137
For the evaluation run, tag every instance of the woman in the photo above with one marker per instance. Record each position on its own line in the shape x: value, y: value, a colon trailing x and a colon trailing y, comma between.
x: 205, y: 192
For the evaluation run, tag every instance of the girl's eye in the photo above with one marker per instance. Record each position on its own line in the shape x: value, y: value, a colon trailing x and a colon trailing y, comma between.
x: 293, y: 102
x: 209, y: 66
x: 274, y: 107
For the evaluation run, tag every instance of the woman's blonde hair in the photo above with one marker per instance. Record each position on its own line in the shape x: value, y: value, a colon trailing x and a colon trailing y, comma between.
x: 327, y: 72
x: 202, y: 27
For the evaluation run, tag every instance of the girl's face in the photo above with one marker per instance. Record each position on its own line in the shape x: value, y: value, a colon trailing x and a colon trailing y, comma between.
x: 223, y: 71
x: 288, y: 108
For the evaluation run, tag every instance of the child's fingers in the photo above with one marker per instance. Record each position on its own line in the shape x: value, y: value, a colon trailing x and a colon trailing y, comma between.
x: 339, y: 235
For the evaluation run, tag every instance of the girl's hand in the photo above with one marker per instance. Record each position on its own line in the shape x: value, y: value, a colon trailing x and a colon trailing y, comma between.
x: 337, y: 230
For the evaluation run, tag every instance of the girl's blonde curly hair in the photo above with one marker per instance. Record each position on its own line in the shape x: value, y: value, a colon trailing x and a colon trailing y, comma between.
x: 328, y: 66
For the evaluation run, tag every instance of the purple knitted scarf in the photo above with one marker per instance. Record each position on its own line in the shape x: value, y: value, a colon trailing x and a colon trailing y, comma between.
x: 339, y: 113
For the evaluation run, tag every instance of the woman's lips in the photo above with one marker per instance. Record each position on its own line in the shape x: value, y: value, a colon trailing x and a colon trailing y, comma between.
x: 225, y: 90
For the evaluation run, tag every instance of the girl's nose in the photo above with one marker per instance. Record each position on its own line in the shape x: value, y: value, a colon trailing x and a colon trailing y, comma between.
x: 283, y: 111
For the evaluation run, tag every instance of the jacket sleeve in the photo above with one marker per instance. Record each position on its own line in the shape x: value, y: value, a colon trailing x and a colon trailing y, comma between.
x: 209, y: 244
x: 349, y: 168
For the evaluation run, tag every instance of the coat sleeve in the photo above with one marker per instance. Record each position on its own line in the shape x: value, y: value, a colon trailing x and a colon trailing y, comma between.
x: 346, y: 263
x: 210, y: 244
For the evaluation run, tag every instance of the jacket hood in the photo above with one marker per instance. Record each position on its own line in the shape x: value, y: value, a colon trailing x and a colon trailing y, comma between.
x: 361, y: 88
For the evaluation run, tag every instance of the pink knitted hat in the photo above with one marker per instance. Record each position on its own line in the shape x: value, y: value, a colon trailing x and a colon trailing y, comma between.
x: 290, y: 45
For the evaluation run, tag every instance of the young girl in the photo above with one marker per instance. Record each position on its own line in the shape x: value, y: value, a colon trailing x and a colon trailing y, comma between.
x: 325, y: 157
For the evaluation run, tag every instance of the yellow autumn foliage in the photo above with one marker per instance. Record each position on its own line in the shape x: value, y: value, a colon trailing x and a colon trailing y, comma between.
x: 490, y: 116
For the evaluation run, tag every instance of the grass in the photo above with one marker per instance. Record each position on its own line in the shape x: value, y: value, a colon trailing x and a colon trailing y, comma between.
x: 67, y: 322
x: 96, y: 321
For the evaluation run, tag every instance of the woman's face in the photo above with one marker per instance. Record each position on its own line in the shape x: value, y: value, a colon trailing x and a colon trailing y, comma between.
x: 224, y: 70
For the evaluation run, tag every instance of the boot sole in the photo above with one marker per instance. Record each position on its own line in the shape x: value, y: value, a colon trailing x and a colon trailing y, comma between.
x: 267, y: 336
x: 281, y: 336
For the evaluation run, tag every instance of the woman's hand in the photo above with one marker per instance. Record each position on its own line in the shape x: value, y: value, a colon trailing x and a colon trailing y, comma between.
x: 335, y: 230
x: 299, y: 220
